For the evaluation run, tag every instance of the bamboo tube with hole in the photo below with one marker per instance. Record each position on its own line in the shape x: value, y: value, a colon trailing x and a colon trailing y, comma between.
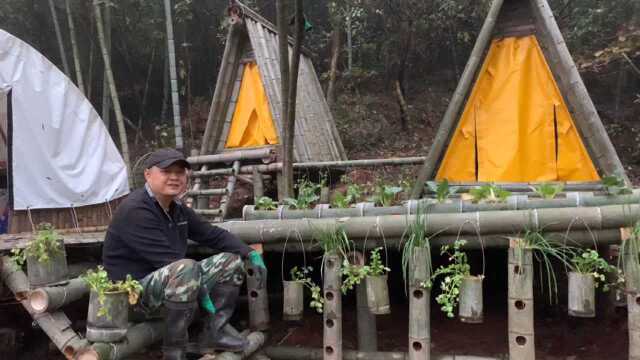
x: 520, y: 289
x: 419, y: 305
x: 259, y: 318
x: 332, y: 314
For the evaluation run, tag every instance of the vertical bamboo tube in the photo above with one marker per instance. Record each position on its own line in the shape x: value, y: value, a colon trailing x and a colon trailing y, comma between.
x: 258, y: 301
x: 419, y: 306
x: 332, y: 315
x: 258, y: 185
x: 632, y: 283
x: 521, y: 331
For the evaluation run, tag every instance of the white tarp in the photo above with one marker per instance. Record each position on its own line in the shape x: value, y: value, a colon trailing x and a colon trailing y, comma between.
x: 62, y: 154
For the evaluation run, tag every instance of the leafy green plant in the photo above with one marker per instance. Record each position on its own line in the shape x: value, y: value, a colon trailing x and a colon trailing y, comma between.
x: 548, y: 190
x: 376, y: 267
x: 414, y: 237
x: 442, y: 190
x: 45, y: 245
x: 590, y: 262
x: 615, y: 185
x: 303, y: 275
x: 98, y: 281
x: 453, y: 274
x: 308, y: 193
x: 266, y: 203
x: 344, y: 200
x: 353, y: 275
x: 384, y: 195
x: 489, y: 193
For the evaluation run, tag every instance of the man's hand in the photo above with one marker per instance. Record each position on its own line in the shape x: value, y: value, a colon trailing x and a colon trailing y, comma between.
x: 259, y: 267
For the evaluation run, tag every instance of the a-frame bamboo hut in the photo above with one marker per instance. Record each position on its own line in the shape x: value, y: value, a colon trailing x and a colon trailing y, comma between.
x: 246, y: 108
x: 521, y: 112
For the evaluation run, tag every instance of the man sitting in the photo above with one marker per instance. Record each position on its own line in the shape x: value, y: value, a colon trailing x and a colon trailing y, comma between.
x: 147, y: 238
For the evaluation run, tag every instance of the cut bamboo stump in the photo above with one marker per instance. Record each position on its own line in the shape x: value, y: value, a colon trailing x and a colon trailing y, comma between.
x: 582, y: 295
x: 138, y: 337
x: 471, y: 301
x: 332, y: 315
x: 259, y: 318
x: 52, y: 298
x: 56, y: 325
x: 632, y: 282
x: 521, y: 331
x: 50, y: 272
x: 419, y: 306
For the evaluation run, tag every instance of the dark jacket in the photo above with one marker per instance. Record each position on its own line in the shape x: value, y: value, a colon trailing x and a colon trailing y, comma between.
x: 142, y: 237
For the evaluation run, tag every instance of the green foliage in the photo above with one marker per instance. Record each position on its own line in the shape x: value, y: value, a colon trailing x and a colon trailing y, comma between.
x: 352, y: 195
x: 353, y: 275
x: 452, y: 273
x: 615, y: 185
x: 303, y: 275
x: 590, y: 262
x: 489, y: 193
x: 98, y: 281
x: 384, y: 195
x: 334, y: 241
x: 45, y: 245
x: 376, y: 267
x: 442, y: 190
x: 266, y: 203
x: 414, y: 237
x: 308, y: 193
x: 548, y: 190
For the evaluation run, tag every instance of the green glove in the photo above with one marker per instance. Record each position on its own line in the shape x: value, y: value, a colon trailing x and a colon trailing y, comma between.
x: 205, y: 301
x: 260, y: 270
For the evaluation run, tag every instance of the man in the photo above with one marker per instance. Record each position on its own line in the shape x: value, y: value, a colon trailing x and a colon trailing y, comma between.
x: 147, y: 238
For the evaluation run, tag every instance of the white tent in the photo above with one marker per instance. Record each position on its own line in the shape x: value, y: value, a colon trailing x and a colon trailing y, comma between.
x: 60, y: 153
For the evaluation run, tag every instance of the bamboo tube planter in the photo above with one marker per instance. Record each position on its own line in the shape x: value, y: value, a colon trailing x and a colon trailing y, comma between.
x: 473, y: 223
x: 259, y: 318
x: 419, y: 306
x: 378, y: 294
x: 367, y: 326
x: 471, y: 309
x: 293, y: 300
x: 520, y: 283
x: 516, y: 202
x: 52, y: 298
x: 332, y: 314
x: 632, y: 285
x: 582, y: 295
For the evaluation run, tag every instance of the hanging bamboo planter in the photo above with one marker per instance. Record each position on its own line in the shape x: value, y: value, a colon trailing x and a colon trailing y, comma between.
x: 293, y: 300
x: 53, y: 270
x: 582, y: 295
x: 107, y: 321
x: 378, y: 294
x: 470, y: 309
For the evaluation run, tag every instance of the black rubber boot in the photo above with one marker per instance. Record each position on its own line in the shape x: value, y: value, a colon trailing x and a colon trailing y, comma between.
x: 176, y: 325
x: 213, y: 336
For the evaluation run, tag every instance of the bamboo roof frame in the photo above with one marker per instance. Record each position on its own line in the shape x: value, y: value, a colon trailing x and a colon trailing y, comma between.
x: 316, y: 137
x: 539, y: 20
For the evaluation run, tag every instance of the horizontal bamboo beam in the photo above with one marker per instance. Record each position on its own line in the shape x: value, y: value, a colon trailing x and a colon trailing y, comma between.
x: 207, y: 192
x: 302, y: 353
x: 138, y: 337
x: 517, y: 202
x: 525, y: 187
x: 483, y: 222
x: 208, y: 212
x: 231, y: 156
x: 52, y: 298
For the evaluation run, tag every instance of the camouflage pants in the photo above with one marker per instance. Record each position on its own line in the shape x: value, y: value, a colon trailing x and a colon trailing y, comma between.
x: 180, y: 282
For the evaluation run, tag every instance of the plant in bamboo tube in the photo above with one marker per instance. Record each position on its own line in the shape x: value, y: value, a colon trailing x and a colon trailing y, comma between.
x: 385, y: 195
x: 589, y: 271
x: 489, y: 193
x: 416, y: 247
x: 266, y: 203
x: 615, y: 185
x: 548, y: 190
x: 308, y: 194
x: 442, y: 190
x: 302, y: 277
x: 377, y: 287
x: 350, y: 196
x: 45, y: 257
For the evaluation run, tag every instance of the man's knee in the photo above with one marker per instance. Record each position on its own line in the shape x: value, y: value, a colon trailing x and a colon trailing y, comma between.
x: 183, y: 281
x: 225, y: 267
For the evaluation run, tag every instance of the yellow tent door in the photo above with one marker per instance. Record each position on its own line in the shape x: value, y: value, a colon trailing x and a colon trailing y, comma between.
x: 516, y: 126
x: 252, y: 124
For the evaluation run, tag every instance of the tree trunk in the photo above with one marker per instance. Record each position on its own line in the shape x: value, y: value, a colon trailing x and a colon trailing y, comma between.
x: 145, y: 93
x: 106, y: 100
x: 174, y: 77
x: 349, y: 43
x: 74, y: 47
x: 165, y: 88
x: 404, y: 108
x: 56, y: 25
x: 112, y: 87
x: 283, y: 45
x: 333, y: 72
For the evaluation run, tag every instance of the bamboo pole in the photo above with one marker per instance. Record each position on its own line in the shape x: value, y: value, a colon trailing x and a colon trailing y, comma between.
x: 419, y: 305
x: 283, y: 55
x: 231, y: 156
x: 207, y: 192
x: 112, y: 89
x: 173, y: 75
x: 106, y: 102
x: 332, y: 314
x: 139, y: 337
x: 520, y: 288
x: 51, y: 298
x: 56, y: 25
x: 631, y: 268
x: 259, y: 315
x: 74, y: 46
x: 258, y: 186
x: 231, y: 186
x: 448, y: 123
x: 472, y: 223
x: 453, y: 206
x: 303, y: 353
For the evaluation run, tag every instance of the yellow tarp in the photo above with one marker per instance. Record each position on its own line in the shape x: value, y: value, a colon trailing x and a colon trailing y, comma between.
x: 252, y: 124
x: 511, y: 122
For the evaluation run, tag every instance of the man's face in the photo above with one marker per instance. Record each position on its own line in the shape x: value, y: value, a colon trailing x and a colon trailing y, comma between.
x: 171, y: 181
